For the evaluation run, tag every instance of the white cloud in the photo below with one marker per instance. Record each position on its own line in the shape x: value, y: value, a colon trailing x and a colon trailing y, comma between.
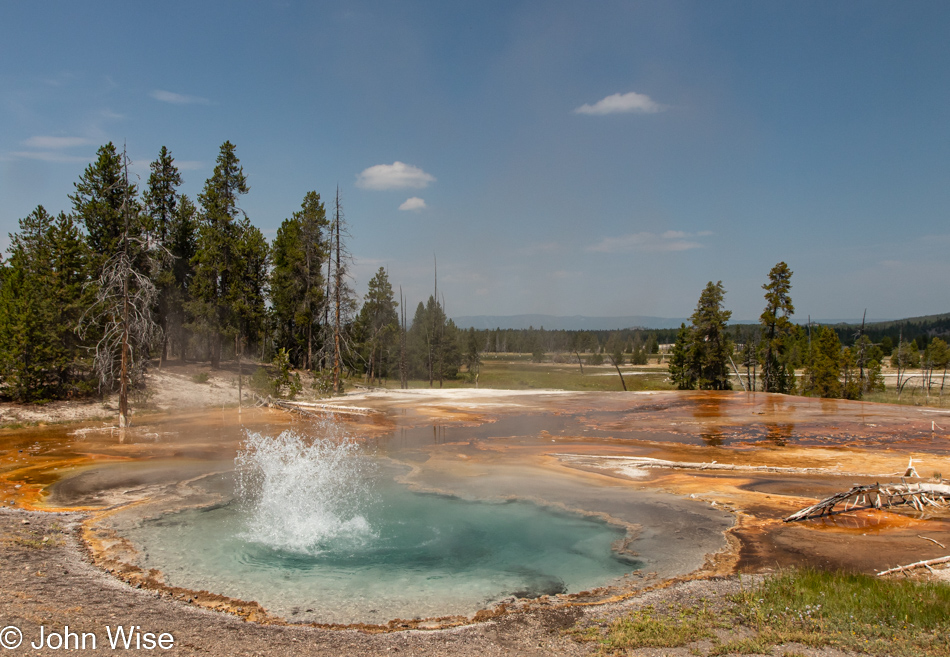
x: 48, y: 156
x: 397, y: 175
x: 178, y: 99
x: 414, y: 203
x: 671, y: 240
x: 189, y: 165
x: 621, y: 103
x: 55, y: 142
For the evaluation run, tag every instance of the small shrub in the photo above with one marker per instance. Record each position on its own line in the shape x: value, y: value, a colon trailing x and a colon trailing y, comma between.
x: 200, y: 377
x: 261, y: 383
x: 322, y: 384
x: 285, y: 380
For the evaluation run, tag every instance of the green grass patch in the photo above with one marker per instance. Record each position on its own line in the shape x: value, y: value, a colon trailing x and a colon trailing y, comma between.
x: 910, y: 397
x: 861, y: 613
x: 853, y: 611
x: 645, y: 629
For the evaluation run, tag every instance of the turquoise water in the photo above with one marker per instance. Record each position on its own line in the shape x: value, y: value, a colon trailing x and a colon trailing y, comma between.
x: 404, y: 555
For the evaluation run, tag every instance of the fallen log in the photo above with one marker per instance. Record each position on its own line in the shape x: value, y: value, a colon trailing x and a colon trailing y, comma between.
x: 310, y: 409
x: 916, y: 564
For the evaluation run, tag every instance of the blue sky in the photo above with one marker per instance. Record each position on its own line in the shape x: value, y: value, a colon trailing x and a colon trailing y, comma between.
x: 602, y: 158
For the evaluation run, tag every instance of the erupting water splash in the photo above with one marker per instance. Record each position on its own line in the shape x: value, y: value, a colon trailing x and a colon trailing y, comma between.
x: 301, y: 494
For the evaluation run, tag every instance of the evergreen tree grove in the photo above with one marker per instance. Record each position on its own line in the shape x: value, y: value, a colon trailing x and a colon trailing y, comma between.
x: 41, y: 299
x: 377, y: 326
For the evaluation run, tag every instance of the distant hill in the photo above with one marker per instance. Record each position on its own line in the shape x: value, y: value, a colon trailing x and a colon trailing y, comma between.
x: 920, y: 329
x: 941, y: 319
x: 584, y: 323
x: 572, y: 323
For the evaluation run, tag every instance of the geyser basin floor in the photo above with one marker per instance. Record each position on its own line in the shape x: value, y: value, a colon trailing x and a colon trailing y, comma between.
x: 411, y: 555
x: 490, y: 456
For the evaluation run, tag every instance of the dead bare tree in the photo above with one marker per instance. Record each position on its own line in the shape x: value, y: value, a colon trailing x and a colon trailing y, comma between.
x: 403, y: 362
x: 123, y: 301
x: 339, y: 302
x: 862, y: 356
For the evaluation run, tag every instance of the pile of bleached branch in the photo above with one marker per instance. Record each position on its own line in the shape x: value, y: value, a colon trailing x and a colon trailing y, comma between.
x: 877, y: 496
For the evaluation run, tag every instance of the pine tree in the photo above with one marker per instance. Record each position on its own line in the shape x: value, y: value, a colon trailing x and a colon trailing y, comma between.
x: 710, y: 347
x: 377, y: 325
x: 681, y: 373
x: 161, y: 214
x: 297, y: 281
x: 216, y: 284
x: 248, y: 290
x: 776, y: 375
x: 288, y: 289
x: 182, y: 247
x: 98, y: 204
x: 824, y: 364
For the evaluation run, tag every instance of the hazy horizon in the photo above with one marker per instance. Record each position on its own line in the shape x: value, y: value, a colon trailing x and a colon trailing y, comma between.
x: 583, y: 322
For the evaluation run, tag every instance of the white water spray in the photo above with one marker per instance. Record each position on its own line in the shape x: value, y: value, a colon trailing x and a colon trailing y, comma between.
x: 302, y: 493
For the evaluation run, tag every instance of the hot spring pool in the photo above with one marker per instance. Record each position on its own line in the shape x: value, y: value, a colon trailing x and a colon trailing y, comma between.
x: 321, y: 532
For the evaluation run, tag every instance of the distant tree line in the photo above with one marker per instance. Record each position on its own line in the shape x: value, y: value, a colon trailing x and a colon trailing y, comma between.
x: 841, y: 361
x: 88, y: 297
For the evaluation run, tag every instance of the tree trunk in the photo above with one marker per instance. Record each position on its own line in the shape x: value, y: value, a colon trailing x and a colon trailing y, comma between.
x: 310, y: 344
x: 619, y: 373
x: 215, y: 351
x: 738, y: 375
x: 900, y: 343
x: 337, y: 283
x: 124, y: 370
x: 237, y: 354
